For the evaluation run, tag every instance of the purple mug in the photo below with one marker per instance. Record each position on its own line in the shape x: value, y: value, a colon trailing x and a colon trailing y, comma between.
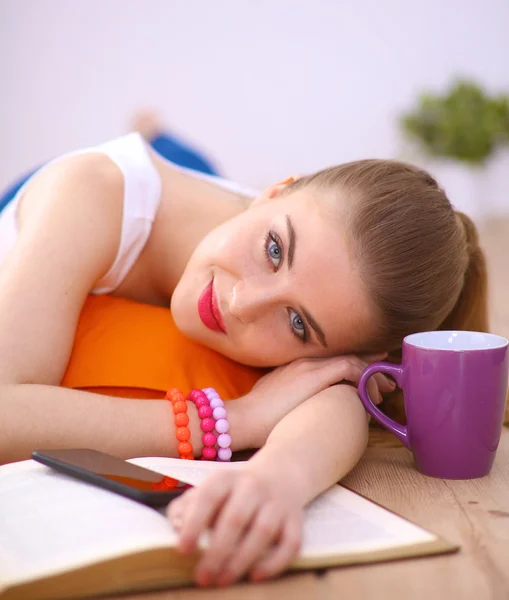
x: 454, y: 389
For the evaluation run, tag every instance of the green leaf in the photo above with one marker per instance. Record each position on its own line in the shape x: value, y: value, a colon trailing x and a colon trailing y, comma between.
x: 465, y: 123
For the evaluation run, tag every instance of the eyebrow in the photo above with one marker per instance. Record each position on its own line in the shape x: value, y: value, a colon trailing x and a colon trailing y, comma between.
x: 318, y: 330
x: 291, y: 241
x: 291, y: 253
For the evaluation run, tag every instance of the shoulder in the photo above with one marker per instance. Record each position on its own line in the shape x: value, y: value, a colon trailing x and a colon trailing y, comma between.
x: 92, y: 177
x: 94, y: 167
x: 107, y: 164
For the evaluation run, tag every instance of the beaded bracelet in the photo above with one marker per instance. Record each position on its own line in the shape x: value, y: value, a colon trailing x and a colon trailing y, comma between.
x: 167, y: 483
x: 207, y: 423
x: 176, y: 397
x: 219, y: 413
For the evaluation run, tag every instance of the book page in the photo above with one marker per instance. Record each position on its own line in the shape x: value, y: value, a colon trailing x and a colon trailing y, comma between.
x: 338, y: 522
x: 189, y: 471
x: 342, y: 522
x: 50, y: 522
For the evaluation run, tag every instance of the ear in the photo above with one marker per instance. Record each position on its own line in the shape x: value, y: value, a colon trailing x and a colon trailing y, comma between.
x: 273, y: 191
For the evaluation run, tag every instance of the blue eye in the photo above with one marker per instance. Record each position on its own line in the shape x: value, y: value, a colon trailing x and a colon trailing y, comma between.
x: 298, y: 325
x: 273, y: 250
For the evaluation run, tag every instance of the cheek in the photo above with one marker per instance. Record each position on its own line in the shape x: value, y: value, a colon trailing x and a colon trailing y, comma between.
x: 237, y: 250
x: 268, y: 343
x: 183, y: 309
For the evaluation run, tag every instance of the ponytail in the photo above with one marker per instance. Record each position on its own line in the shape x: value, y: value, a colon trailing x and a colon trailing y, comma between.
x: 470, y: 312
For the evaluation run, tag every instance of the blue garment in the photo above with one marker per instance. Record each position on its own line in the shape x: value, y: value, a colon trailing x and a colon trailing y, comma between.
x: 166, y: 145
x: 8, y: 195
x: 181, y: 154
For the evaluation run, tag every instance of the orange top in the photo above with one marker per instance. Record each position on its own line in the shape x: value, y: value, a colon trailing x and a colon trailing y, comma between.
x: 124, y: 348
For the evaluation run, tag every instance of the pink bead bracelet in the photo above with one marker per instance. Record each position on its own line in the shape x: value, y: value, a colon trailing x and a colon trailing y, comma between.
x: 224, y: 440
x: 207, y: 424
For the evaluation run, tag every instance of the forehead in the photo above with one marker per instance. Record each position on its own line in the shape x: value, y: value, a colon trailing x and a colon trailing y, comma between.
x: 325, y: 277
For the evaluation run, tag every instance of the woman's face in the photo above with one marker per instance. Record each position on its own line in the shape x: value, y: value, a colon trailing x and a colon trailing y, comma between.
x: 274, y: 284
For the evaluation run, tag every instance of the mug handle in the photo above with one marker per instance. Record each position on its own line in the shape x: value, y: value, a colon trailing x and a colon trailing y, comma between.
x: 396, y: 371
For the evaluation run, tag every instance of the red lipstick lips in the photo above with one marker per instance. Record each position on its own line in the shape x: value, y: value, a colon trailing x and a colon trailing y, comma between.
x: 208, y: 310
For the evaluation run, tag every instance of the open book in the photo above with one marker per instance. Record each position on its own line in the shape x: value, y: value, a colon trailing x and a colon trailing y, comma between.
x: 60, y: 537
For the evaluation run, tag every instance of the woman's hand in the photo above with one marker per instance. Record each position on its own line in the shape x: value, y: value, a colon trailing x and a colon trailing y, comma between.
x: 255, y: 524
x: 255, y: 513
x: 280, y: 391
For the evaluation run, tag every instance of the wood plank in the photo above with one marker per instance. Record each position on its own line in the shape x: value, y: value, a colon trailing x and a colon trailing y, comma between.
x: 472, y: 513
x: 301, y: 586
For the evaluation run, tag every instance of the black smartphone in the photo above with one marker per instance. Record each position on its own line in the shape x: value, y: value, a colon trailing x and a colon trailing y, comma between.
x: 114, y: 474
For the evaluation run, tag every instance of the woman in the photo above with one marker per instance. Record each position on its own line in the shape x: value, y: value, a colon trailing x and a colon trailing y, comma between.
x: 315, y: 271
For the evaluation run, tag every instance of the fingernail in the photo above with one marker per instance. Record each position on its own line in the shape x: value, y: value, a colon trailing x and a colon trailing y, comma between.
x: 257, y: 576
x: 203, y: 577
x: 186, y: 546
x: 224, y: 579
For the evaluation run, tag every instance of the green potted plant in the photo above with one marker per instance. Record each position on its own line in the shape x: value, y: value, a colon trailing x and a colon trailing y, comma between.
x: 457, y: 134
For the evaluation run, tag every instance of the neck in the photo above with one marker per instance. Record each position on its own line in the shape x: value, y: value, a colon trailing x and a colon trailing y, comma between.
x: 190, y: 208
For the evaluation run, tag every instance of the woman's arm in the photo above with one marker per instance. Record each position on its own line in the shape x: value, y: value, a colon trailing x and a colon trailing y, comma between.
x: 43, y: 416
x: 38, y: 416
x: 69, y: 222
x: 256, y: 513
x: 316, y: 444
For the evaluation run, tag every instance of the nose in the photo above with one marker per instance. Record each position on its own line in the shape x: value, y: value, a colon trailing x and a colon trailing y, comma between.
x: 251, y: 298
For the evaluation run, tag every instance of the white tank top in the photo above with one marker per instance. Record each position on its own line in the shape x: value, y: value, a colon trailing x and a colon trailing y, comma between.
x: 142, y: 195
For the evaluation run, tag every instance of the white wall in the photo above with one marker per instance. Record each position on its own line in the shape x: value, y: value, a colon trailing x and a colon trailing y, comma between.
x: 269, y: 87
